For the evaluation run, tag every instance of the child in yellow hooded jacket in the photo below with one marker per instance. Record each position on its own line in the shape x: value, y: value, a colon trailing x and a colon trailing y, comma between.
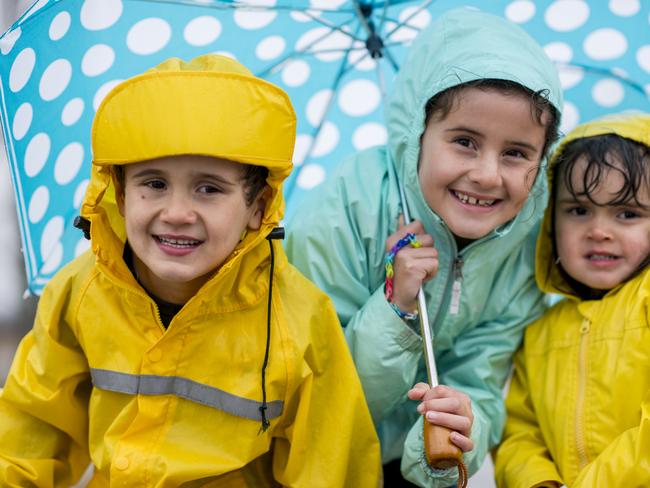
x: 579, y: 403
x: 184, y: 349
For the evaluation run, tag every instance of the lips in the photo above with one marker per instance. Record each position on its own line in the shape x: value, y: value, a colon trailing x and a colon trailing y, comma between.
x: 471, y: 200
x: 601, y: 257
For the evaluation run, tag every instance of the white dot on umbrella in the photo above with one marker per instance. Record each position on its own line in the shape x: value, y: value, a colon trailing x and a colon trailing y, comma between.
x: 55, y: 79
x: 326, y: 4
x: 559, y: 51
x: 302, y: 17
x: 402, y: 34
x: 608, y: 92
x: 566, y: 15
x: 21, y: 69
x: 79, y: 194
x: 22, y: 120
x: 295, y: 73
x: 36, y: 154
x: 72, y: 111
x: 97, y: 60
x: 643, y: 58
x: 303, y: 142
x: 255, y: 18
x: 310, y: 175
x: 324, y: 43
x: 82, y: 246
x: 148, y: 36
x: 360, y: 58
x: 417, y: 17
x: 270, y: 47
x: 100, y: 14
x: 103, y: 91
x: 59, y: 26
x: 369, y: 135
x: 9, y: 40
x: 570, y: 117
x: 53, y: 261
x: 604, y: 44
x: 201, y: 31
x: 624, y: 8
x: 570, y: 76
x: 38, y: 204
x: 68, y: 163
x: 315, y: 108
x: 359, y: 97
x: 326, y: 141
x: 520, y: 11
x: 51, y: 235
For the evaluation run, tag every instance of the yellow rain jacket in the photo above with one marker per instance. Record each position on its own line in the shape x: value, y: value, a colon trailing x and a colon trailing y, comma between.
x: 579, y: 402
x: 100, y: 380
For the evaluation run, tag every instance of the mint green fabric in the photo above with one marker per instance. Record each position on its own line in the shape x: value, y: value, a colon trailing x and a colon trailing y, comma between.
x: 337, y: 239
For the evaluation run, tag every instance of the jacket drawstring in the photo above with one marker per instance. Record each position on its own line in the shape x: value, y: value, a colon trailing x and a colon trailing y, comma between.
x: 277, y: 233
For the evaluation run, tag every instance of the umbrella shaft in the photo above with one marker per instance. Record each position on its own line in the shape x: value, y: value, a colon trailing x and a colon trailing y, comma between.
x: 425, y: 333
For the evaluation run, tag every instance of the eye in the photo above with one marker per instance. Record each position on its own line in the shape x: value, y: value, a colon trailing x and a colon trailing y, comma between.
x: 155, y: 184
x: 209, y: 189
x: 577, y: 211
x: 464, y: 141
x: 516, y: 153
x: 628, y: 214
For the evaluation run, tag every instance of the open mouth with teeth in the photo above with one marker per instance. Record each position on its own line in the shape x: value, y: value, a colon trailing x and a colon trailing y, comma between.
x: 602, y: 257
x: 177, y: 243
x: 469, y: 200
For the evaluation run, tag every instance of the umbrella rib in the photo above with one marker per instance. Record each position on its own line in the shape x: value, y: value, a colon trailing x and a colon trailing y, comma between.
x: 232, y: 5
x: 405, y: 21
x: 383, y: 15
x: 300, y: 52
x: 604, y: 71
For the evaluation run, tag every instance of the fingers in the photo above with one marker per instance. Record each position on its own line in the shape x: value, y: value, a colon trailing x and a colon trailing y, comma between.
x: 447, y: 407
x: 464, y: 443
x: 414, y: 227
x: 418, y: 391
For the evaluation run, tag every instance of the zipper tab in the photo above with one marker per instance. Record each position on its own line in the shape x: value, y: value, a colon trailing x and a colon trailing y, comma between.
x: 456, y: 287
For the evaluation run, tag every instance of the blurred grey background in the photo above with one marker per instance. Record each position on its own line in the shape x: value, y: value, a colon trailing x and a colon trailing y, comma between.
x: 16, y: 312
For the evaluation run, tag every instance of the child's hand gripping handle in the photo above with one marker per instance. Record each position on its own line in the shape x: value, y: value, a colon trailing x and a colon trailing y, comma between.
x: 441, y: 452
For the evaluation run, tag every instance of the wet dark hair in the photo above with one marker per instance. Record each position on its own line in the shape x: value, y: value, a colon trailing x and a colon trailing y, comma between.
x: 602, y: 154
x: 442, y: 103
x: 254, y: 178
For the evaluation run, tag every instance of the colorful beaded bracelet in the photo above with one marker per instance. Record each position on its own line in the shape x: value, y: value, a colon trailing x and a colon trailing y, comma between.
x: 408, y: 239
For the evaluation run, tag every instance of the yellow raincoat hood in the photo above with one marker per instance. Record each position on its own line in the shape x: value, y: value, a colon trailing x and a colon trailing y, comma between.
x: 210, y: 106
x: 635, y: 127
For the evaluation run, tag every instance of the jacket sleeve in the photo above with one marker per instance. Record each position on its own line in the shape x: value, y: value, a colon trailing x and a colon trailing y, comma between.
x: 625, y: 461
x: 522, y: 459
x: 43, y: 405
x: 478, y: 364
x: 342, y: 252
x: 329, y: 438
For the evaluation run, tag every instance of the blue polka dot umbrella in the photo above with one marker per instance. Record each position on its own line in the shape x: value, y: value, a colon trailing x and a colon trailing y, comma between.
x: 336, y: 59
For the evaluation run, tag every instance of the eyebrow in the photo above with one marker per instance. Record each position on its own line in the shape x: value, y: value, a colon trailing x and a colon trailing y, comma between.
x: 480, y: 134
x: 208, y: 176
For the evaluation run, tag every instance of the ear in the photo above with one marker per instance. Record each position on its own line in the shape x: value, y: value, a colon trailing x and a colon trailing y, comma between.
x: 119, y: 190
x: 257, y: 208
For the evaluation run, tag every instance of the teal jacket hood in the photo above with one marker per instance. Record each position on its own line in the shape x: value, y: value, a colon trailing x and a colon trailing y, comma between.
x: 439, y: 59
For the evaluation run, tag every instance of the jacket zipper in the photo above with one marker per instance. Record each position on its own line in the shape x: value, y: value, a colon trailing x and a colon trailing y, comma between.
x: 582, y: 378
x: 456, y: 287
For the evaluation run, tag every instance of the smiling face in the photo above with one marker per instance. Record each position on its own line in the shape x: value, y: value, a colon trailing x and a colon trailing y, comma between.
x: 599, y: 244
x: 478, y: 162
x: 184, y: 215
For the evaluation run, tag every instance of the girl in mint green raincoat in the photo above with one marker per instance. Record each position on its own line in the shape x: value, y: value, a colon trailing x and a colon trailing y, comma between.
x: 471, y: 116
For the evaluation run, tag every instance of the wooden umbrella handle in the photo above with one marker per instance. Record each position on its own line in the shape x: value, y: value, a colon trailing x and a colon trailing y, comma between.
x: 442, y: 453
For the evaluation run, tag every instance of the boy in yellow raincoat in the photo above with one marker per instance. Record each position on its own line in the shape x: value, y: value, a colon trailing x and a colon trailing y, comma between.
x: 185, y: 350
x: 579, y: 403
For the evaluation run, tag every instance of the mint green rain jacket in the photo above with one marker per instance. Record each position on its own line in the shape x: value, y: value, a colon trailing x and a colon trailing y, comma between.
x: 337, y: 239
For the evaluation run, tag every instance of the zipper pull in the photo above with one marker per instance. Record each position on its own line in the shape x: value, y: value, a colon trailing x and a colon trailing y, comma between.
x: 456, y: 287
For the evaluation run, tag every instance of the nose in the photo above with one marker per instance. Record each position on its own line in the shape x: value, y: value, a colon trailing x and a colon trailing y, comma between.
x: 599, y: 231
x: 486, y: 171
x: 178, y: 210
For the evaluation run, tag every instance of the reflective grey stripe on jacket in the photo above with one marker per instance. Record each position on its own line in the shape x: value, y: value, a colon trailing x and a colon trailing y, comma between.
x: 134, y: 384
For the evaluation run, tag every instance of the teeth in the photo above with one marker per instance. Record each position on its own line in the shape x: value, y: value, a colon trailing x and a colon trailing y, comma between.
x: 602, y: 257
x: 473, y: 201
x: 178, y: 242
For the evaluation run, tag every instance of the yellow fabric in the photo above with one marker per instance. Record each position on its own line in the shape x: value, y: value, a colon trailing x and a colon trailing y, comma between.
x: 94, y: 315
x: 579, y: 401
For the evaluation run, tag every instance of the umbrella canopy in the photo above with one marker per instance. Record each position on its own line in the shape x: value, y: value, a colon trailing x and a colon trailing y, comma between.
x: 335, y: 58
